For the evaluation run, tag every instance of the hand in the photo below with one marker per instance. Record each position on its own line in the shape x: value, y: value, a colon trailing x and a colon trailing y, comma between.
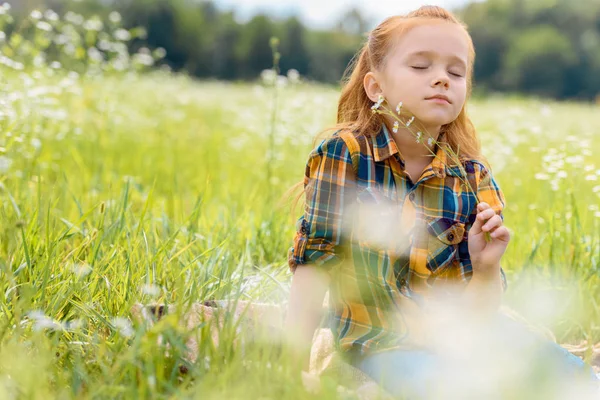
x: 485, y: 256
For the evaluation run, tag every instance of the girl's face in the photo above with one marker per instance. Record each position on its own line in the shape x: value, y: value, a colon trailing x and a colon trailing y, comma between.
x: 428, y: 60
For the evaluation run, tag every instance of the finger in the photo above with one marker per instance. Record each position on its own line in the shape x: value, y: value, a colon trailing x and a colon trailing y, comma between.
x: 493, y: 222
x: 486, y: 214
x: 482, y: 206
x: 501, y: 233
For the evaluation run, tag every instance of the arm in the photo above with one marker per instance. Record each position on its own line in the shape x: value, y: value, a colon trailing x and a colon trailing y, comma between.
x: 483, y: 294
x: 304, y: 312
x: 328, y: 184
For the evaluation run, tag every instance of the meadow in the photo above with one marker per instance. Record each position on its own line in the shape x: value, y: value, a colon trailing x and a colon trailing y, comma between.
x: 126, y: 187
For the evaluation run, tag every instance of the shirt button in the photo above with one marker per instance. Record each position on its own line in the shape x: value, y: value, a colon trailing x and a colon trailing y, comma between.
x: 402, y: 282
x: 450, y: 237
x: 412, y: 196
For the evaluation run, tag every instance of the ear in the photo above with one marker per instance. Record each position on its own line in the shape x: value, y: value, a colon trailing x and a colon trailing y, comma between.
x: 372, y: 86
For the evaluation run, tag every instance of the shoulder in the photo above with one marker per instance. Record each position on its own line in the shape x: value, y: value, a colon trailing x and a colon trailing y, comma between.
x: 478, y: 168
x: 341, y: 145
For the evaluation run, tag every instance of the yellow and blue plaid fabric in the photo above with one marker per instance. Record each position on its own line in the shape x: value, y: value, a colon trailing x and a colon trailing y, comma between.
x: 381, y: 237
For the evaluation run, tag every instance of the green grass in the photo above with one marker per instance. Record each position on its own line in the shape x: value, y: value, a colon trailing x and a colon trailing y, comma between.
x: 117, y: 183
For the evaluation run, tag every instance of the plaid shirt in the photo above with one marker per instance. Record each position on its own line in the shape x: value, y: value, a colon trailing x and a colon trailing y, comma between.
x: 382, y: 238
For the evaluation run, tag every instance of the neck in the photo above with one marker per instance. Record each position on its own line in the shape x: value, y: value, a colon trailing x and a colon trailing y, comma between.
x: 407, y: 144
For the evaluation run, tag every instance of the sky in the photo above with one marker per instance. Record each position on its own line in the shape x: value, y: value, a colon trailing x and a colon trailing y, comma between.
x: 324, y: 13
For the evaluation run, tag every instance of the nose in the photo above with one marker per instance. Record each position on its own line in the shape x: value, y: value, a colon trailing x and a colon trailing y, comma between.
x: 441, y: 78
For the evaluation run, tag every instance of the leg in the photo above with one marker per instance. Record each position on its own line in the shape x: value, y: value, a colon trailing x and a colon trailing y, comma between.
x: 408, y: 374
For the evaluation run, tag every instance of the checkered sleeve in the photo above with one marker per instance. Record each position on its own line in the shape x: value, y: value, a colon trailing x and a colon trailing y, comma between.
x: 328, y: 181
x: 489, y: 192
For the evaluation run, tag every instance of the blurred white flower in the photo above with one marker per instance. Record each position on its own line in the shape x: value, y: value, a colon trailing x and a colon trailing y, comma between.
x: 159, y: 53
x: 150, y: 289
x: 114, y: 17
x: 36, y: 14
x: 81, y: 270
x: 41, y: 321
x: 143, y: 59
x: 36, y: 143
x: 5, y: 164
x: 123, y: 326
x: 44, y: 26
x: 122, y: 34
x: 95, y: 54
x: 293, y: 75
x: 73, y: 18
x: 268, y: 76
x: 51, y: 15
x: 93, y: 25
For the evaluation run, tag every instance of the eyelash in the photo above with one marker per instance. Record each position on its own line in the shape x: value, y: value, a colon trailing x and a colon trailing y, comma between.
x: 420, y: 68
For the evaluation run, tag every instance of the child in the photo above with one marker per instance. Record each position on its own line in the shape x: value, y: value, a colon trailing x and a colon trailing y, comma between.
x: 394, y: 233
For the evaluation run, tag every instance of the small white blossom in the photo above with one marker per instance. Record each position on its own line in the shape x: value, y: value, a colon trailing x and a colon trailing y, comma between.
x: 396, y: 127
x: 376, y: 106
x: 114, y: 17
x: 399, y: 108
x: 51, y: 15
x: 151, y: 289
x: 122, y: 34
x: 123, y: 325
x: 5, y: 164
x: 419, y: 136
x: 410, y: 121
x: 35, y: 14
x: 81, y: 270
x: 293, y: 75
x: 430, y: 141
x: 44, y: 26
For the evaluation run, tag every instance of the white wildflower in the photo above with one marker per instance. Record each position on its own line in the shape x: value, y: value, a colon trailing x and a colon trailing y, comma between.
x: 396, y: 127
x: 430, y: 141
x: 81, y: 270
x: 376, y: 106
x: 123, y: 325
x: 293, y: 75
x: 151, y: 289
x: 410, y: 121
x: 93, y: 25
x: 35, y: 14
x: 51, y: 15
x: 114, y: 17
x: 419, y: 136
x: 542, y: 177
x: 44, y: 26
x: 122, y: 34
x: 591, y: 178
x: 41, y: 321
x: 399, y: 108
x: 5, y: 164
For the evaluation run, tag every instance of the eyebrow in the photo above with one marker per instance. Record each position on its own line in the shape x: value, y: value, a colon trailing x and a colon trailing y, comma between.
x: 430, y: 53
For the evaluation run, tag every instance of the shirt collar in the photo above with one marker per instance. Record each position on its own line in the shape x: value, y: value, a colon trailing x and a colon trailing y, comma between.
x: 384, y: 146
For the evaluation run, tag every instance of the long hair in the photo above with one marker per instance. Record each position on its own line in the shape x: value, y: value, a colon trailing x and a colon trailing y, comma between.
x: 354, y: 106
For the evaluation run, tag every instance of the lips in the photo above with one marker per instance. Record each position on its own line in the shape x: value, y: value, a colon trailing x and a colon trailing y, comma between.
x: 440, y: 97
